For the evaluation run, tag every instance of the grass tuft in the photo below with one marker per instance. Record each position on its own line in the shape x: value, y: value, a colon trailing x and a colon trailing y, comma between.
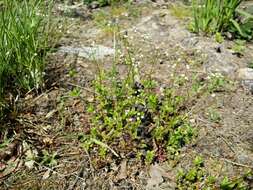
x: 25, y: 36
x: 212, y: 16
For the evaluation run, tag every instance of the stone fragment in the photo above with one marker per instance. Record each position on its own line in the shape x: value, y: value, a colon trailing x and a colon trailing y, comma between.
x: 245, y: 74
x: 92, y: 53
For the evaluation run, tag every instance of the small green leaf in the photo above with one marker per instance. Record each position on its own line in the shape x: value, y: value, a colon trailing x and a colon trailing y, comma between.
x: 192, y: 175
x: 198, y: 161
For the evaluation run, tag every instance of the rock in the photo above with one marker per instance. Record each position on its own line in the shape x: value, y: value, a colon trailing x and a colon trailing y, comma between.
x: 190, y: 42
x: 245, y: 74
x: 92, y: 53
x: 161, y: 177
x: 169, y: 186
x: 244, y: 159
x: 156, y: 177
x: 248, y: 84
x: 216, y: 64
x: 229, y: 35
x: 217, y: 61
x: 157, y: 174
x: 246, y: 77
x: 123, y: 170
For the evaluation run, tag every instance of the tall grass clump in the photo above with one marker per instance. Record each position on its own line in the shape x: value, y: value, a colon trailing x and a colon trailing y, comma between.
x: 24, y: 41
x: 212, y: 16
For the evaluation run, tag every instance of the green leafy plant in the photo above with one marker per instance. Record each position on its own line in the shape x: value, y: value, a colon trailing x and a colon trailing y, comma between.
x: 131, y: 117
x: 49, y: 159
x: 196, y: 177
x: 149, y: 157
x: 242, y: 26
x: 239, y: 183
x: 75, y: 92
x: 72, y: 73
x: 210, y: 84
x: 217, y: 83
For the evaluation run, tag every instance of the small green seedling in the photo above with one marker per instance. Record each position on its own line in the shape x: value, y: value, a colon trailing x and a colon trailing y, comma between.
x: 238, y: 184
x: 75, y: 92
x: 49, y: 159
x: 72, y: 73
x: 149, y: 157
x: 219, y: 38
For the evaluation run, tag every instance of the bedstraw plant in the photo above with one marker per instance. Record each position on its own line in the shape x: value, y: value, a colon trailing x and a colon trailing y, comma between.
x: 198, y: 177
x: 134, y: 118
